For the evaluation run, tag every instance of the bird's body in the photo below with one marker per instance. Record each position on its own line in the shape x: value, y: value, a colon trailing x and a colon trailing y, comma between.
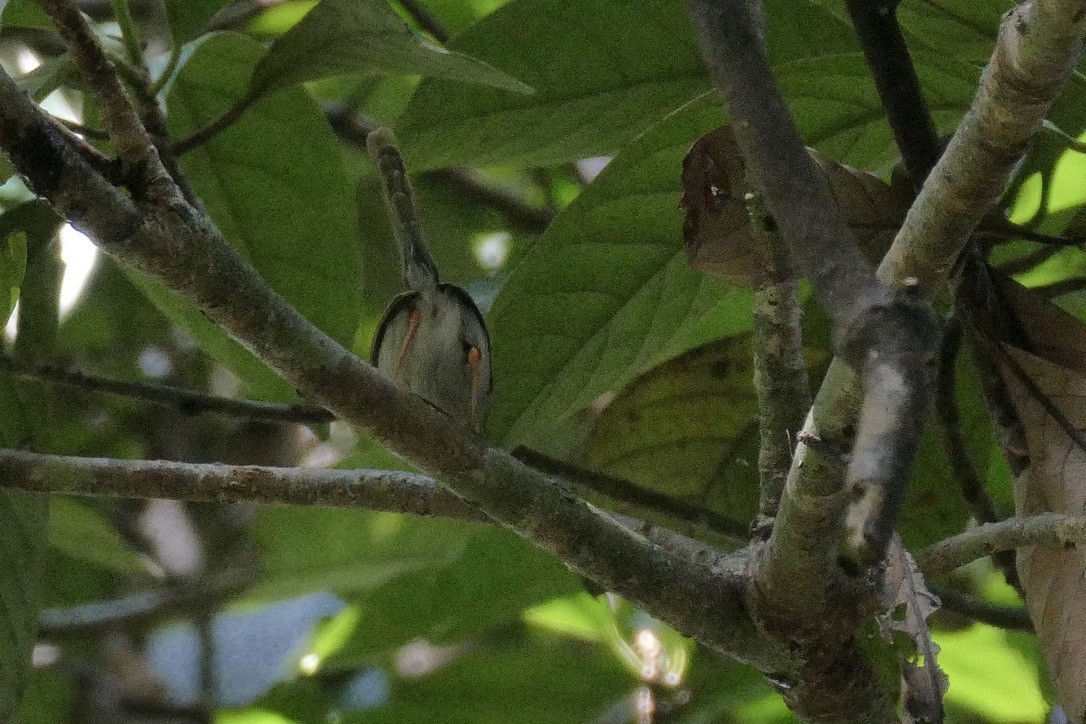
x: 432, y: 339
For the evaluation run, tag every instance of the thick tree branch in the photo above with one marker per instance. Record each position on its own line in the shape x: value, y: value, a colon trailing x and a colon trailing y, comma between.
x: 884, y: 337
x: 1044, y: 529
x: 1038, y: 45
x: 188, y: 402
x: 173, y: 243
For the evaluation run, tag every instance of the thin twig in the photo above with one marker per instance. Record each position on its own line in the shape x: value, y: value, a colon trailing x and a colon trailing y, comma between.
x: 213, y: 129
x: 426, y: 20
x: 780, y: 369
x: 353, y: 127
x: 974, y: 491
x: 1044, y: 529
x: 131, y: 140
x: 173, y: 598
x: 626, y: 491
x: 189, y: 402
x: 1011, y: 618
x: 897, y: 83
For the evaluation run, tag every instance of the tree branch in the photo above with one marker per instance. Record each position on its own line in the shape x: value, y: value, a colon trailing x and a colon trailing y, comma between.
x: 780, y: 369
x: 382, y: 490
x: 134, y: 146
x: 1013, y: 618
x: 1038, y: 45
x: 174, y: 244
x: 897, y: 83
x: 625, y: 491
x: 188, y: 402
x: 1044, y: 529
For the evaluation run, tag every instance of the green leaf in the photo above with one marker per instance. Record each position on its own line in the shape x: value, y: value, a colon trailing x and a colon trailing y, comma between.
x: 347, y: 551
x: 607, y: 292
x: 82, y: 533
x: 288, y: 208
x: 23, y: 14
x: 495, y: 578
x: 602, y: 75
x: 683, y: 428
x: 13, y: 238
x: 22, y: 524
x: 531, y: 679
x: 188, y: 18
x: 352, y: 36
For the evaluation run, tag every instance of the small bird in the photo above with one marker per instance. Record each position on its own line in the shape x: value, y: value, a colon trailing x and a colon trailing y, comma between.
x: 432, y: 338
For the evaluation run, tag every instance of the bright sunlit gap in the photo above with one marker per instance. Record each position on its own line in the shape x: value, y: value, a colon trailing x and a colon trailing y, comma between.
x: 79, y: 255
x: 309, y: 664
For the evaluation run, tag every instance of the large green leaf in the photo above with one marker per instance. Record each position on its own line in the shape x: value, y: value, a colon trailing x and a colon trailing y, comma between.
x: 351, y: 36
x: 274, y: 184
x: 602, y: 74
x: 683, y: 429
x: 607, y: 292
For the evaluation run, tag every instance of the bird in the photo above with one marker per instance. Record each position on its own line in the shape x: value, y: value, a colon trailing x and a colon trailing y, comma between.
x: 432, y: 338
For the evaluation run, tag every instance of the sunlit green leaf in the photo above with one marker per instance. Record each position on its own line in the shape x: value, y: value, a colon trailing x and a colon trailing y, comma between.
x: 988, y: 676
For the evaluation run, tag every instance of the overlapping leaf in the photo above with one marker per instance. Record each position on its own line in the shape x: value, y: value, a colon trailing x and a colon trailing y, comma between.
x: 602, y: 74
x: 687, y: 428
x: 288, y: 210
x: 351, y: 36
x: 717, y: 229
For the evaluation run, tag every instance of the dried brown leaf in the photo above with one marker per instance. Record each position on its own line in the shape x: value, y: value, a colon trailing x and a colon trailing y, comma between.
x: 1040, y: 351
x: 717, y: 228
x: 1054, y: 577
x: 909, y: 604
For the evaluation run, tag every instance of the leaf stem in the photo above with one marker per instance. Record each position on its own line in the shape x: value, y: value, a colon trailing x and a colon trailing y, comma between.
x: 129, y: 35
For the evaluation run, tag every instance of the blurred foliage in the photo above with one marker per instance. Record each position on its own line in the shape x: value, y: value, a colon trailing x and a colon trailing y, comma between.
x: 608, y: 350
